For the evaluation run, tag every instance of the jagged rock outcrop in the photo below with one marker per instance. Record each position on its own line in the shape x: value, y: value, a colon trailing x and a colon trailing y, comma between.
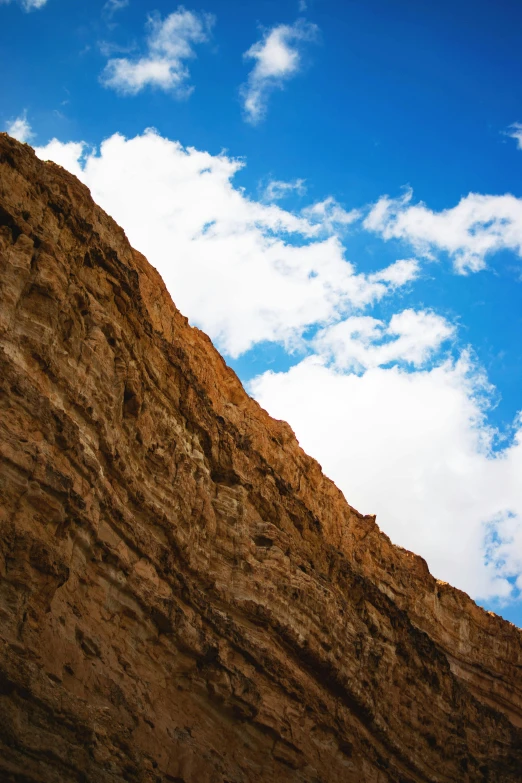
x: 183, y: 595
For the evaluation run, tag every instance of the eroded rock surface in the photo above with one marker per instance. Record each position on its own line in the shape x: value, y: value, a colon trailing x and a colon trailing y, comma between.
x: 183, y: 595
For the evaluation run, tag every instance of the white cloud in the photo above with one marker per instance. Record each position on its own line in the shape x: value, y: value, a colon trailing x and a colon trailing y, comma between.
x: 413, y: 447
x: 478, y: 226
x: 362, y: 342
x: 27, y: 5
x: 515, y: 132
x: 277, y: 189
x: 20, y: 129
x: 330, y: 214
x: 277, y: 59
x: 169, y: 43
x: 401, y: 272
x: 244, y: 271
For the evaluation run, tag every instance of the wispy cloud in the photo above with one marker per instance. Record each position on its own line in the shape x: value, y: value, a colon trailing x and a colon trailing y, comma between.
x: 111, y: 7
x: 330, y: 214
x: 278, y: 189
x: 170, y: 42
x: 515, y: 132
x: 20, y: 128
x: 27, y: 5
x: 110, y: 48
x: 277, y: 59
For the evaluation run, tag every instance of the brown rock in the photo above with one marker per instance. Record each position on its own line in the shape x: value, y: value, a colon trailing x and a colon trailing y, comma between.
x: 183, y: 595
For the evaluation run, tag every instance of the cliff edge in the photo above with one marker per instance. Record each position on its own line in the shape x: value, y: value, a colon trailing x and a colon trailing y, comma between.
x: 183, y: 595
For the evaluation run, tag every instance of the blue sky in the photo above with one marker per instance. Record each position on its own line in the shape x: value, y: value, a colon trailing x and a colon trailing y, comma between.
x: 333, y: 192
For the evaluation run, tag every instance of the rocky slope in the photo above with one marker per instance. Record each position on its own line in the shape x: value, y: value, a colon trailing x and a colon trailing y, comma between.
x: 183, y: 595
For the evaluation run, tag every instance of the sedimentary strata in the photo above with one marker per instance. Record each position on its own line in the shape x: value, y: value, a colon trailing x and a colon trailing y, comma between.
x: 183, y: 595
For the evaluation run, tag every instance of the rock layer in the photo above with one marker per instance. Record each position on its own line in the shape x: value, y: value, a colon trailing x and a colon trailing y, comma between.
x: 183, y: 595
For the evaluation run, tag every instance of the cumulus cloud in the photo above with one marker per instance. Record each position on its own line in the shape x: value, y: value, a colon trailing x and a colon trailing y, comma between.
x: 243, y: 270
x: 277, y: 59
x: 361, y: 342
x: 477, y: 227
x: 515, y: 132
x: 20, y: 129
x: 170, y: 42
x: 27, y: 5
x: 412, y: 446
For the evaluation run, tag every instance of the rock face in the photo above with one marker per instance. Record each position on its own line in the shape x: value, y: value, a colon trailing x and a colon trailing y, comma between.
x: 183, y: 595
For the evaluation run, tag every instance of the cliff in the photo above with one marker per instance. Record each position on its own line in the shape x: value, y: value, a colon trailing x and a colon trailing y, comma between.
x: 183, y: 595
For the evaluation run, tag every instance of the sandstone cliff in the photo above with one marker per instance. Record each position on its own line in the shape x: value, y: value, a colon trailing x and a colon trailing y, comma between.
x: 183, y: 595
